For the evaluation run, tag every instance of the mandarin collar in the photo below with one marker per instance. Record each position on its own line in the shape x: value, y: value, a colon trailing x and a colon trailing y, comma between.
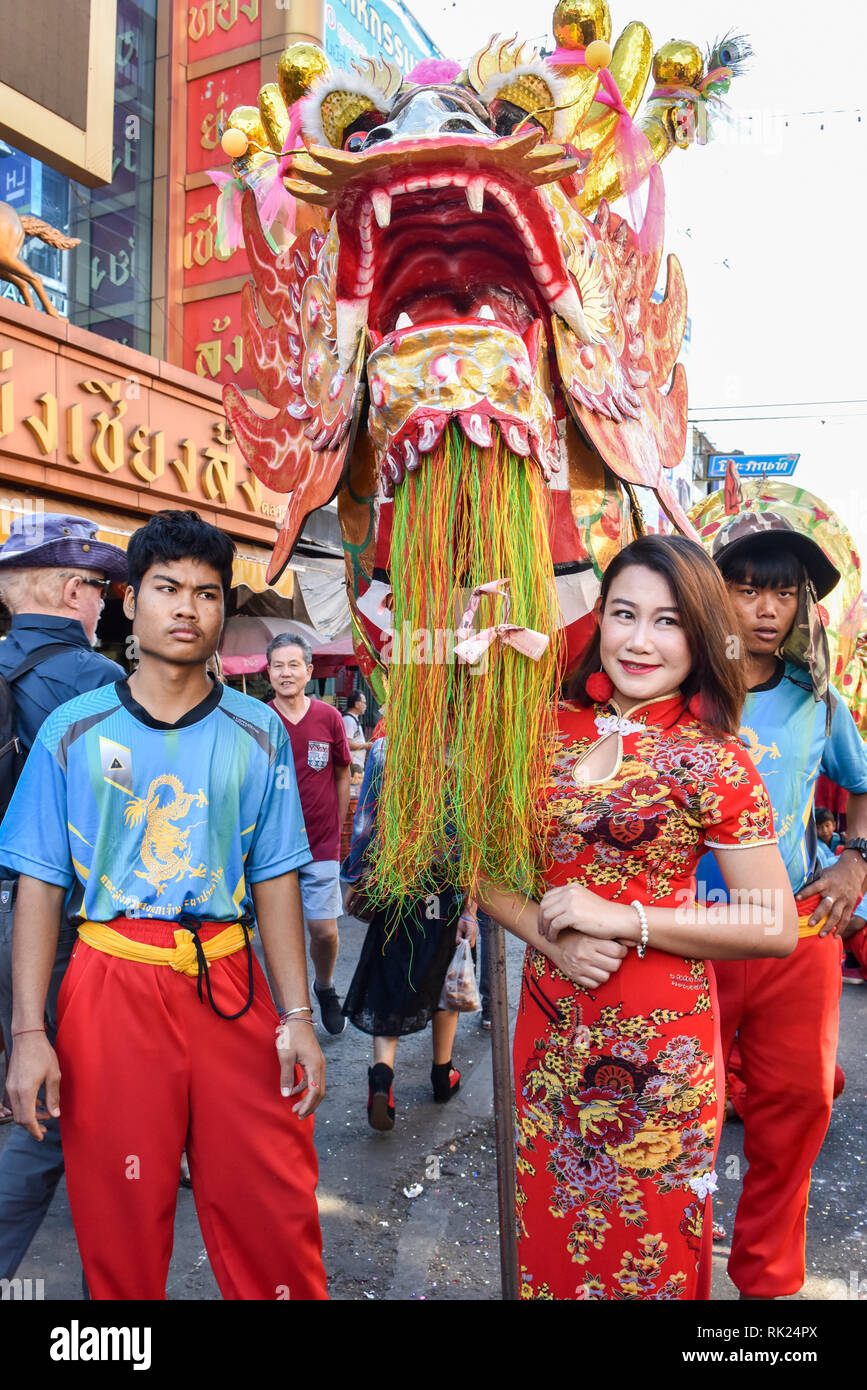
x: 652, y: 711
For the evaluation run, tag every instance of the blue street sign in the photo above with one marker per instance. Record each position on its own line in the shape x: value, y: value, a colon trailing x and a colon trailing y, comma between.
x: 15, y: 176
x: 358, y: 29
x: 753, y: 465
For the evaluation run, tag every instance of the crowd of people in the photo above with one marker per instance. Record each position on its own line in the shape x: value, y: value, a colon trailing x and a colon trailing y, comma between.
x: 692, y: 916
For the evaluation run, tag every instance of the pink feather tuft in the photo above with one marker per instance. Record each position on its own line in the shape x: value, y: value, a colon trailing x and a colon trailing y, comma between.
x: 434, y: 70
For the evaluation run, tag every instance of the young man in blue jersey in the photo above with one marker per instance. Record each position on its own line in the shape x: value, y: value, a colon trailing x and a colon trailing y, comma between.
x: 163, y: 810
x: 785, y: 1012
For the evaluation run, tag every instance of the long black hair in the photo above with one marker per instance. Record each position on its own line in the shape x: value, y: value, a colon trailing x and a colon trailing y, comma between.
x: 716, y: 675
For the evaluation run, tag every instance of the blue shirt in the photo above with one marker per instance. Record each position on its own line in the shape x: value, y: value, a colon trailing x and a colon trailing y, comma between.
x: 60, y: 677
x: 137, y: 818
x: 783, y: 729
x: 355, y: 864
x: 825, y: 856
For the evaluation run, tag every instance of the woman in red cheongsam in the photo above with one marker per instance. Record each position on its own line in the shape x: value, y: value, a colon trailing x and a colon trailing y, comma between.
x: 618, y: 1084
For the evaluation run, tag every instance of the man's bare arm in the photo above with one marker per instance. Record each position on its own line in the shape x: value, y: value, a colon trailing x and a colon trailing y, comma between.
x: 342, y: 777
x: 33, y: 1062
x: 280, y: 919
x: 281, y: 926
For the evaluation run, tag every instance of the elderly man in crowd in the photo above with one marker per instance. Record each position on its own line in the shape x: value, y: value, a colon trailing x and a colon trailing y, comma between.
x: 54, y: 575
x: 321, y: 755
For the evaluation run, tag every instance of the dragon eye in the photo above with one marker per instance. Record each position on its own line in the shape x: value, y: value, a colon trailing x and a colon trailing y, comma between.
x: 504, y: 78
x: 355, y: 134
x: 344, y: 105
x: 505, y: 116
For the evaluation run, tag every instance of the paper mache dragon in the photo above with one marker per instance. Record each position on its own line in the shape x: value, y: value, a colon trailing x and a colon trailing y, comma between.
x: 464, y: 344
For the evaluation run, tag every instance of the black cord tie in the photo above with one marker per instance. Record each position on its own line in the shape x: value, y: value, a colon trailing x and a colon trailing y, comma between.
x: 192, y: 926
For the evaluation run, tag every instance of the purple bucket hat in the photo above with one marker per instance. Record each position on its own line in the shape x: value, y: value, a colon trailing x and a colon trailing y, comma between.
x: 49, y: 539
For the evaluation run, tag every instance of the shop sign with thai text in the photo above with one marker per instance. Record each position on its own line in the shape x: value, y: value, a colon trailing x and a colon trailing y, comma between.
x: 74, y: 421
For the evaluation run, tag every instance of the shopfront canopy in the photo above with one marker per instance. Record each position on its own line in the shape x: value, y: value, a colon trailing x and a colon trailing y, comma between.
x: 245, y: 642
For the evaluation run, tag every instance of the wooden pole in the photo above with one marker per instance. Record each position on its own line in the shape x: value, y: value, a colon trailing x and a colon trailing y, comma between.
x: 504, y: 1108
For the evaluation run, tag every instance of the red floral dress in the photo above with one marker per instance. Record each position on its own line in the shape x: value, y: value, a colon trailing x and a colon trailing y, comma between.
x: 617, y: 1101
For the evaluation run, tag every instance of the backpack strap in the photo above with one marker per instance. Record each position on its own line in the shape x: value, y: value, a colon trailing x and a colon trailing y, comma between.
x: 35, y: 657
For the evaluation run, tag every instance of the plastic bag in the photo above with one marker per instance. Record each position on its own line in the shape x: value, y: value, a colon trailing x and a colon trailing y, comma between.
x: 460, y: 991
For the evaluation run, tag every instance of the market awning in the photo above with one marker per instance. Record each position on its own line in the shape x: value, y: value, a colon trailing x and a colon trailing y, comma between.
x: 331, y: 657
x: 245, y: 641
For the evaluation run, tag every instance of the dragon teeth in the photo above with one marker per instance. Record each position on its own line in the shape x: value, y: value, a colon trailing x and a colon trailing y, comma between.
x: 476, y: 195
x: 568, y: 306
x: 404, y: 321
x: 381, y: 206
x: 486, y: 312
x: 351, y: 322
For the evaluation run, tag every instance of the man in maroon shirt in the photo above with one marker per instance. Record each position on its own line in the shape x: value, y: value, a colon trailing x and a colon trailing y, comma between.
x: 322, y: 757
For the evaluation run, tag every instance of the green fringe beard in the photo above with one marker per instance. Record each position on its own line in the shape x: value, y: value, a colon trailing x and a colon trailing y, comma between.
x: 469, y: 748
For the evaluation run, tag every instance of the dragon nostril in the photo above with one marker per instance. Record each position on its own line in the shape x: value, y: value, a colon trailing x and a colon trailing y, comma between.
x: 377, y: 135
x: 458, y: 126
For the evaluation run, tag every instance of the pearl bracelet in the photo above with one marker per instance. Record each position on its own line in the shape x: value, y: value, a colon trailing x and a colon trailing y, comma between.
x: 642, y: 919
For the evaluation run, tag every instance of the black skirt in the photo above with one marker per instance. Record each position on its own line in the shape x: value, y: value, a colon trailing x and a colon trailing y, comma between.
x: 406, y: 954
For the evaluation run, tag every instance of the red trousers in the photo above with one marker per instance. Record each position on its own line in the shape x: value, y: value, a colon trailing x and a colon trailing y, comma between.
x: 857, y: 944
x: 148, y: 1070
x: 786, y: 1016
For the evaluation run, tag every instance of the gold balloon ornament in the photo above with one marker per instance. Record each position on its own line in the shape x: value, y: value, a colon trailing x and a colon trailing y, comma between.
x: 678, y: 63
x: 598, y: 54
x: 300, y: 65
x: 577, y: 23
x: 273, y: 115
x: 235, y: 143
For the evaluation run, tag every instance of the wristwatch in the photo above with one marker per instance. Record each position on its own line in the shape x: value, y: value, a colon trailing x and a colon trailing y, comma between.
x: 859, y: 845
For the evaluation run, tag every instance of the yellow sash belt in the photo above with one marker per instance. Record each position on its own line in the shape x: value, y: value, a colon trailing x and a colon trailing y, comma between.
x: 181, y: 957
x: 804, y: 928
x: 806, y: 908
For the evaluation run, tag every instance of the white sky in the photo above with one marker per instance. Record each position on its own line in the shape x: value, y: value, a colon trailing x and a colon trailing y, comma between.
x: 768, y: 222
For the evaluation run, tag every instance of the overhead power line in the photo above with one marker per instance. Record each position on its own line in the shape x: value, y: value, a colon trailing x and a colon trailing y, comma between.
x: 774, y: 405
x: 770, y: 419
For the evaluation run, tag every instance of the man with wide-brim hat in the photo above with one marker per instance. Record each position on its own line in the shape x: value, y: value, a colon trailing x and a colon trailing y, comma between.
x: 54, y: 573
x: 781, y: 551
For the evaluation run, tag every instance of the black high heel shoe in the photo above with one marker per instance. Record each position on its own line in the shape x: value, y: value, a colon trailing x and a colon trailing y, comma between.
x: 446, y: 1081
x: 380, y: 1096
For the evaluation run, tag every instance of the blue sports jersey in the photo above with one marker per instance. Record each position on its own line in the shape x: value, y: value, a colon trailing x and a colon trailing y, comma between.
x: 783, y: 728
x: 825, y: 856
x: 142, y: 819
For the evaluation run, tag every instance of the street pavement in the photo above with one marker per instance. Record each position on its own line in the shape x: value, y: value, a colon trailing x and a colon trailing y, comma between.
x: 384, y: 1240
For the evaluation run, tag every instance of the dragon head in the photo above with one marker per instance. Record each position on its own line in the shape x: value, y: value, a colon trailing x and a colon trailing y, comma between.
x: 464, y: 343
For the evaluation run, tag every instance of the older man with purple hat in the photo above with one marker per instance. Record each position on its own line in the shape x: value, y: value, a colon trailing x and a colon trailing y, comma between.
x: 54, y: 576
